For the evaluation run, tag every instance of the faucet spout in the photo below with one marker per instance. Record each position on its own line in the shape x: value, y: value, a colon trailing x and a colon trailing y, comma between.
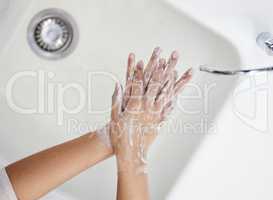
x: 265, y: 42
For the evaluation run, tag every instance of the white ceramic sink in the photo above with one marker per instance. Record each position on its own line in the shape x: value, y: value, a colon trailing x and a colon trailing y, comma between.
x: 109, y: 30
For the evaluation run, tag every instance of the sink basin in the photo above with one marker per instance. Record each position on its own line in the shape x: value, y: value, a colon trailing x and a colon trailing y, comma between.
x: 108, y: 31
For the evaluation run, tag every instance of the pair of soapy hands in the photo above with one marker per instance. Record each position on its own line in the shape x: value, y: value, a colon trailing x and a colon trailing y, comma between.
x: 146, y: 101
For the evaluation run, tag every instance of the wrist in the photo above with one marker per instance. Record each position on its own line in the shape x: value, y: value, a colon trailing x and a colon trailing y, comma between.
x: 131, y: 165
x: 103, y: 134
x: 94, y: 140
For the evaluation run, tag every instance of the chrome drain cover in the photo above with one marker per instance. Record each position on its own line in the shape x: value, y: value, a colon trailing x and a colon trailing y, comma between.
x: 52, y: 34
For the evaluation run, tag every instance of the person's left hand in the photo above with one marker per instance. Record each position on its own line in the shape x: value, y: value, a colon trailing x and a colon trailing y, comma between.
x: 147, y: 101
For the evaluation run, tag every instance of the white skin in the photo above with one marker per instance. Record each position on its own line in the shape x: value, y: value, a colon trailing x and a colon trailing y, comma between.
x: 136, y: 117
x: 36, y: 175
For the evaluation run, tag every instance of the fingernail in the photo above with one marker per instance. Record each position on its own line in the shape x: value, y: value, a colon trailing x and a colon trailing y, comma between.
x: 157, y: 51
x: 131, y: 56
x: 175, y: 55
x: 118, y: 87
x: 131, y: 59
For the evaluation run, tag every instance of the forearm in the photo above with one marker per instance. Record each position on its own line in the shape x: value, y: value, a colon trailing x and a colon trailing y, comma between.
x: 36, y: 175
x: 132, y: 182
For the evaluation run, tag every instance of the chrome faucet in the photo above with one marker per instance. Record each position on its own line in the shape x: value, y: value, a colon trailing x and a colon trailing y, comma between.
x: 214, y: 70
x: 269, y: 44
x: 264, y: 41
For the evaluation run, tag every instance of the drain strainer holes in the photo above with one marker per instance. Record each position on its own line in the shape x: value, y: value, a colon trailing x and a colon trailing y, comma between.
x: 52, y: 34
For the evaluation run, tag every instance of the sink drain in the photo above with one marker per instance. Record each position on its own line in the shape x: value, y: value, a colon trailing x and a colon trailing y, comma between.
x: 52, y: 34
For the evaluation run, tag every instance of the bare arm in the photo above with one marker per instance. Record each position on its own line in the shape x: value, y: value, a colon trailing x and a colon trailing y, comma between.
x: 36, y: 175
x: 132, y: 185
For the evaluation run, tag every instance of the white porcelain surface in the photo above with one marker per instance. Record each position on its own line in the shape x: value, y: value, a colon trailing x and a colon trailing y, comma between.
x: 4, y: 6
x: 236, y: 163
x: 109, y: 30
